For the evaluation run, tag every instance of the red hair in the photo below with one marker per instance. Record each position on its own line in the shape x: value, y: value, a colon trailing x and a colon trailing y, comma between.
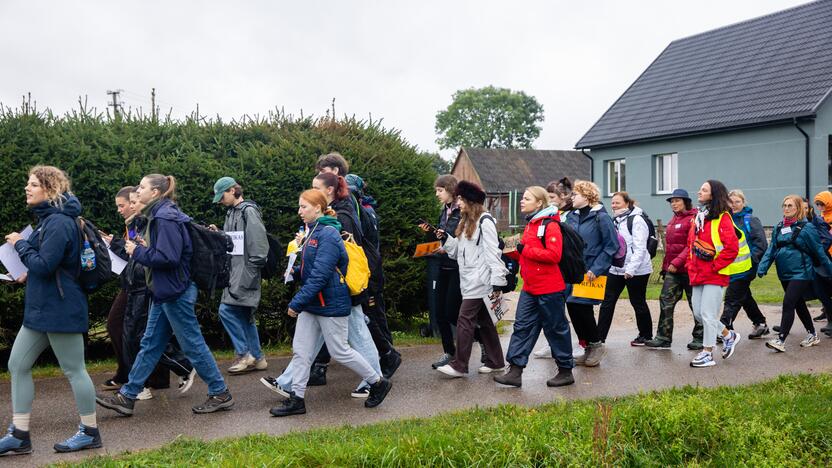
x: 316, y: 198
x: 337, y: 182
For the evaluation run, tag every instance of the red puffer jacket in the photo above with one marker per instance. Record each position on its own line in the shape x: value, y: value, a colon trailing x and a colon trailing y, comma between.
x: 539, y: 265
x: 703, y: 272
x: 676, y: 241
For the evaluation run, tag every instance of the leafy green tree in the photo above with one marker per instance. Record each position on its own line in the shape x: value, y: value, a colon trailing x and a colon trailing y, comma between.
x: 489, y: 118
x: 439, y: 165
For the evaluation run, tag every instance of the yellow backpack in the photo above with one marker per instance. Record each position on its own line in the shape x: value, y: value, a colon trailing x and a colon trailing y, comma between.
x: 358, y: 270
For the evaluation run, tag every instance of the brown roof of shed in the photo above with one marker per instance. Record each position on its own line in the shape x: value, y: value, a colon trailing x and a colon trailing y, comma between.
x: 503, y: 170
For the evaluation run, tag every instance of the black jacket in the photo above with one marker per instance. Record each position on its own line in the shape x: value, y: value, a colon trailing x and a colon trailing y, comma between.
x: 448, y: 224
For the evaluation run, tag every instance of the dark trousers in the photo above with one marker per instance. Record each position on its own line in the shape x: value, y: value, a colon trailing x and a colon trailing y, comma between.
x: 637, y: 289
x: 472, y: 312
x: 115, y: 327
x: 823, y: 290
x: 546, y: 311
x: 675, y: 286
x: 793, y: 301
x: 738, y: 296
x: 583, y: 319
x: 432, y: 291
x: 448, y: 300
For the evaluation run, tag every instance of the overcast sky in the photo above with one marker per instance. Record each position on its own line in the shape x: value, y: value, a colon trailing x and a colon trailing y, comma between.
x: 400, y: 61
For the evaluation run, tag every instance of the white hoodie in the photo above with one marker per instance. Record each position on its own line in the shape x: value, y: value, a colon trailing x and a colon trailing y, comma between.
x: 480, y: 266
x: 638, y: 260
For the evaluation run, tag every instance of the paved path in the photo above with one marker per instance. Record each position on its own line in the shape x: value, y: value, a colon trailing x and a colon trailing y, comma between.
x: 417, y: 391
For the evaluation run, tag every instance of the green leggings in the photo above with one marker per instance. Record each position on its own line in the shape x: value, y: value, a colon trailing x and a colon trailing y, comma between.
x: 68, y: 348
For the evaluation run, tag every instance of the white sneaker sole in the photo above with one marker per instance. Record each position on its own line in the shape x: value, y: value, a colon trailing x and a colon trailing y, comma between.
x: 450, y: 371
x: 733, y: 348
x: 188, y: 383
x: 771, y: 346
x: 809, y: 345
x: 488, y: 370
x: 275, y: 388
x: 706, y: 364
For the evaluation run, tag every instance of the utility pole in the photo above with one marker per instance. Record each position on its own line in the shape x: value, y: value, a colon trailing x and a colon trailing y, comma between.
x: 153, y: 103
x: 115, y: 103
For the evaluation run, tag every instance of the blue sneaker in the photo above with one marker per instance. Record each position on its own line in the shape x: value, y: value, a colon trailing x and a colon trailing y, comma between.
x: 703, y: 359
x: 729, y: 344
x: 85, y: 438
x: 15, y: 442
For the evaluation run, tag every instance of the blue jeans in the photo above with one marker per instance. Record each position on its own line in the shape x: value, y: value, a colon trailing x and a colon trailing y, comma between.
x: 534, y: 312
x: 359, y: 338
x: 174, y: 318
x: 239, y: 323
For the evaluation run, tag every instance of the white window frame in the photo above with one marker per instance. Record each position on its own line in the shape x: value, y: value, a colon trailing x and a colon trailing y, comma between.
x: 616, y: 168
x: 667, y: 172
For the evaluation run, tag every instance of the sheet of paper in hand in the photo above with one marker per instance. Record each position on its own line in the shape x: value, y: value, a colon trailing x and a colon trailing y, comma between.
x: 238, y: 237
x: 496, y: 305
x: 287, y: 276
x: 10, y: 259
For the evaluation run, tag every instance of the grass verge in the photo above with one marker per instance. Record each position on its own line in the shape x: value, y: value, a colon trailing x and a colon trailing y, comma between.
x: 782, y: 422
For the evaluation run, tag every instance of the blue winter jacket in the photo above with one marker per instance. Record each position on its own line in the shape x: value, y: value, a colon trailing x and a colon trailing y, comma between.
x: 322, y: 290
x: 794, y: 260
x: 58, y: 255
x: 599, y: 234
x: 168, y: 253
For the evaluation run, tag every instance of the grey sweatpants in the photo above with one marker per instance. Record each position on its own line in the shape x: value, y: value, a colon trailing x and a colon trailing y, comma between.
x: 305, y: 348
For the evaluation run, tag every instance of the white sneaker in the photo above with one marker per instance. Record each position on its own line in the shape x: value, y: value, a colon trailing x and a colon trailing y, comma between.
x: 810, y: 340
x: 145, y: 394
x: 261, y: 364
x: 488, y: 370
x: 185, y: 383
x: 242, y: 364
x: 449, y: 371
x: 543, y: 353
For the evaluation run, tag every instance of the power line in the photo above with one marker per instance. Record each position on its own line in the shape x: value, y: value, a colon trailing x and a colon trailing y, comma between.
x: 116, y: 103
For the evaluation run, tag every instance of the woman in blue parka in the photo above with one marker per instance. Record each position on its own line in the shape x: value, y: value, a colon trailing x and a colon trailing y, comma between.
x: 55, y: 311
x: 795, y: 249
x: 591, y: 221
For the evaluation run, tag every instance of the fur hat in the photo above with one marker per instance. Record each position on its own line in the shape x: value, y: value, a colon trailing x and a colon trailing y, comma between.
x: 470, y: 192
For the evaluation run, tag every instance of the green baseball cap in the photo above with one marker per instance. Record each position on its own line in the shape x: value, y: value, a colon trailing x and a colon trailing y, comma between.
x: 221, y: 185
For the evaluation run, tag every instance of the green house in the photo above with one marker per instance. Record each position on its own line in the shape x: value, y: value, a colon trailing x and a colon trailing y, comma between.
x: 748, y: 104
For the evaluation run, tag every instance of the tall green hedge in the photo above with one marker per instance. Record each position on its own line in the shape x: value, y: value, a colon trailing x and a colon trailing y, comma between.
x: 272, y: 158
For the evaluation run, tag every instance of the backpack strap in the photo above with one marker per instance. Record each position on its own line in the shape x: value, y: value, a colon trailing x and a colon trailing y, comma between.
x: 482, y: 218
x: 542, y: 238
x: 746, y: 219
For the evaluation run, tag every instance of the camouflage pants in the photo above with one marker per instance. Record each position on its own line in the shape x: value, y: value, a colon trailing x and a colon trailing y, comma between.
x: 675, y: 285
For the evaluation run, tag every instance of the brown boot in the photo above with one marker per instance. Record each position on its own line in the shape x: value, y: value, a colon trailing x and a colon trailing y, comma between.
x: 512, y: 378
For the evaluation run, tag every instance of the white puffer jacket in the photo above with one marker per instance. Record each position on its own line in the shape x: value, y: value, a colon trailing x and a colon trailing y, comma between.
x: 638, y: 261
x: 480, y: 266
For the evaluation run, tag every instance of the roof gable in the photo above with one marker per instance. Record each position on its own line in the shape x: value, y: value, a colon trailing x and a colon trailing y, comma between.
x: 767, y: 69
x: 502, y: 170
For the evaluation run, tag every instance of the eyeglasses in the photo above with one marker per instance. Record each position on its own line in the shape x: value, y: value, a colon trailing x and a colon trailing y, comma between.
x: 788, y: 205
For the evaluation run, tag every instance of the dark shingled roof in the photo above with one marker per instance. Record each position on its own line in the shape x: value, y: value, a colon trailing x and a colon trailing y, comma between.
x: 502, y: 170
x: 770, y: 68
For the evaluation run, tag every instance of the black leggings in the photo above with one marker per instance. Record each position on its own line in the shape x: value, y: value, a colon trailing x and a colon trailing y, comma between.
x: 448, y: 301
x: 637, y: 289
x: 583, y: 320
x: 793, y: 301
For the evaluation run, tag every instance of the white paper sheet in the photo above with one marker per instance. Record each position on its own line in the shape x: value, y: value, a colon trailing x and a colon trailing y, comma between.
x: 10, y: 259
x: 287, y: 277
x: 238, y: 237
x: 6, y: 278
x: 117, y: 264
x: 496, y: 305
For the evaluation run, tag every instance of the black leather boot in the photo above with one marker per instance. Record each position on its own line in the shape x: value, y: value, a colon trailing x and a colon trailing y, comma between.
x: 512, y: 378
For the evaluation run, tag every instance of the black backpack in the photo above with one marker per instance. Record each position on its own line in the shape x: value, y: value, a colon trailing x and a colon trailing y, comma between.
x: 211, y: 260
x: 572, y: 266
x: 89, y: 280
x: 652, y: 240
x: 512, y: 266
x: 272, y: 267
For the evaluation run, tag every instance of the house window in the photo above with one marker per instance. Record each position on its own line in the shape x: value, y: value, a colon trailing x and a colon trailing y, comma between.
x: 615, y: 176
x: 667, y: 171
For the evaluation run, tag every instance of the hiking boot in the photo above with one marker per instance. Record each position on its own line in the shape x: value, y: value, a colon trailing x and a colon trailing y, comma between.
x: 86, y: 438
x: 290, y: 406
x: 110, y: 385
x: 512, y: 378
x: 271, y: 384
x: 446, y: 358
x: 145, y: 394
x: 450, y: 371
x: 810, y: 340
x: 378, y: 392
x: 317, y: 375
x: 116, y: 402
x: 15, y: 442
x: 703, y: 359
x: 543, y: 353
x: 597, y: 351
x: 563, y: 378
x: 820, y: 317
x: 759, y: 331
x: 242, y: 364
x: 389, y: 363
x: 214, y: 403
x: 776, y: 344
x: 185, y: 383
x: 261, y: 364
x: 657, y: 343
x: 729, y: 344
x: 695, y: 345
x: 580, y: 360
x: 638, y: 341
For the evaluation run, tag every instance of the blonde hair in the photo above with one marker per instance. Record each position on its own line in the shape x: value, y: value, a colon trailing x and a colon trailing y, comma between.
x: 737, y: 193
x: 798, y: 201
x: 54, y: 182
x: 588, y: 190
x: 539, y: 194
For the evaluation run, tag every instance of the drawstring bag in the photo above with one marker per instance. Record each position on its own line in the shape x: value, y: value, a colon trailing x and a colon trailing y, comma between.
x: 358, y: 269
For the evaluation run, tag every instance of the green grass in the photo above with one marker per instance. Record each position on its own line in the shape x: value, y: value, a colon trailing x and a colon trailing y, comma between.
x: 783, y: 422
x: 401, y: 339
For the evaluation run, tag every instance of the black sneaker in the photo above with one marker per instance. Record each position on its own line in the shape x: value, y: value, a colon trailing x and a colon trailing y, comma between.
x: 390, y: 362
x: 317, y: 375
x: 290, y: 406
x: 820, y: 317
x: 695, y: 345
x: 116, y: 402
x: 776, y: 328
x: 639, y: 341
x: 657, y: 343
x: 445, y: 359
x: 378, y: 392
x: 223, y: 401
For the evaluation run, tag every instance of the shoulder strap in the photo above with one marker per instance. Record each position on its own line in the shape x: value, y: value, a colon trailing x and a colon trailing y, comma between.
x: 545, y: 224
x: 482, y: 218
x: 746, y: 218
x: 630, y: 223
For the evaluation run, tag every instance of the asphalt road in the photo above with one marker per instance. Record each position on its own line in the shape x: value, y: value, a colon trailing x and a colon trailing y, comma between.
x: 418, y: 391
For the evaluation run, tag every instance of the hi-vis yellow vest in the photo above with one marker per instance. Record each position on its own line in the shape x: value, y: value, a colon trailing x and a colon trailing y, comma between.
x: 742, y: 263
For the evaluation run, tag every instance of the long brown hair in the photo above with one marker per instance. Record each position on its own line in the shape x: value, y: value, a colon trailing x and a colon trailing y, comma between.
x: 470, y: 219
x: 341, y: 190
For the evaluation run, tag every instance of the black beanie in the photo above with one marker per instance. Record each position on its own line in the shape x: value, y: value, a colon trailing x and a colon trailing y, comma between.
x: 470, y: 192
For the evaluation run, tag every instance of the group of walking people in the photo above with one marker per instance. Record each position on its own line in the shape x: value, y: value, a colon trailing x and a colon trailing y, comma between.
x: 152, y: 322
